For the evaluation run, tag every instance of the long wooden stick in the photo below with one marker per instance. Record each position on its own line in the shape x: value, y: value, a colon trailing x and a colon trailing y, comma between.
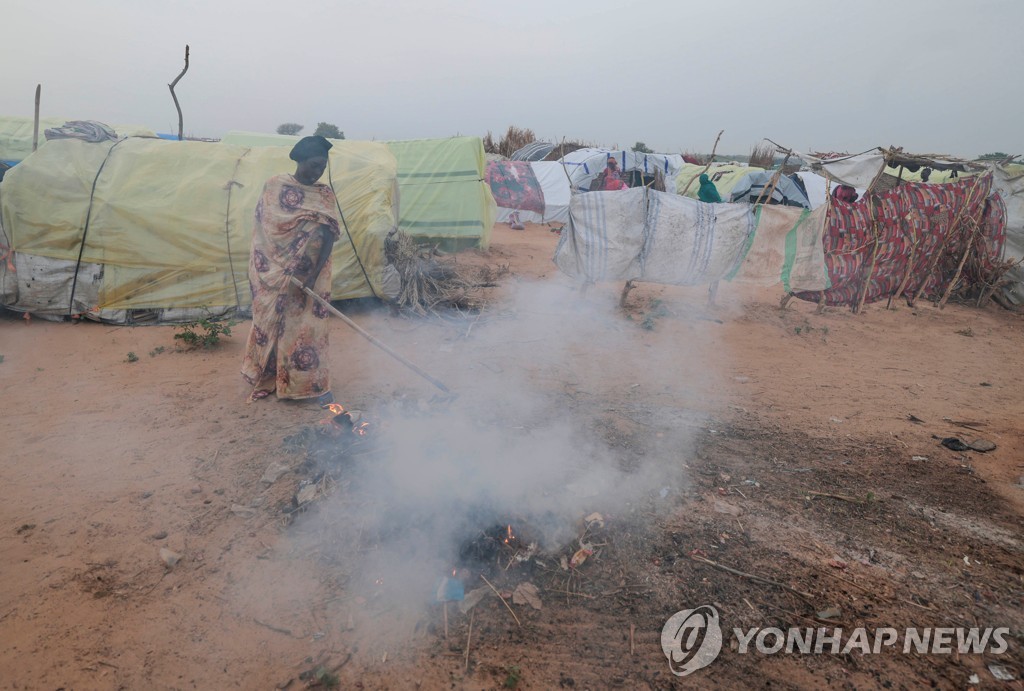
x: 873, y: 210
x: 960, y: 266
x: 752, y: 577
x: 710, y: 161
x: 369, y: 337
x: 35, y: 122
x: 469, y: 639
x: 502, y: 599
x: 945, y: 236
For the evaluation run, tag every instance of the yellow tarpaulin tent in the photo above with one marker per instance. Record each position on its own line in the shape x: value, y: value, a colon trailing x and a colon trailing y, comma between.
x: 443, y: 188
x: 161, y: 225
x: 16, y: 135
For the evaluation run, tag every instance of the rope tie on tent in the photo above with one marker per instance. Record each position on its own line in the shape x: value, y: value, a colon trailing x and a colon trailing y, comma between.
x: 227, y: 228
x: 348, y: 234
x: 85, y: 228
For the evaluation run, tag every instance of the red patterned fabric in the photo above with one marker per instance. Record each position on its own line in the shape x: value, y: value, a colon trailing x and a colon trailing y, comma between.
x: 916, y: 235
x: 514, y: 186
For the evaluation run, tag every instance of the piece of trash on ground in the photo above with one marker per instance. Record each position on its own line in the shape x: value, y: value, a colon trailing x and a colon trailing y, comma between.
x: 527, y: 594
x: 1002, y: 673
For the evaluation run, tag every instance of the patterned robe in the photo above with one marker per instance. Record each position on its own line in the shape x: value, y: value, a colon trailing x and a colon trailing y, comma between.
x: 287, y: 346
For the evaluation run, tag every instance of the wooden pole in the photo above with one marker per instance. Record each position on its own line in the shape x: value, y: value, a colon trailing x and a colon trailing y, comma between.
x: 963, y: 260
x: 175, y: 97
x: 710, y: 161
x: 910, y: 268
x: 873, y: 210
x: 368, y: 336
x: 35, y: 121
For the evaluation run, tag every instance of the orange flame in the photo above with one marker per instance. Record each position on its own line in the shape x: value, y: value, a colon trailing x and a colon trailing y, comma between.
x: 335, y: 408
x: 508, y: 539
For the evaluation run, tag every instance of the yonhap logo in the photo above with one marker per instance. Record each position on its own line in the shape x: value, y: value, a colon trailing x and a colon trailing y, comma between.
x: 691, y: 639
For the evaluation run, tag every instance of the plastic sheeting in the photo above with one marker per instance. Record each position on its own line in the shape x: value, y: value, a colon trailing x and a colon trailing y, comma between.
x: 688, y: 242
x: 665, y: 238
x: 787, y: 247
x: 604, y: 236
x: 443, y: 190
x: 753, y: 186
x: 552, y: 190
x: 557, y: 194
x: 645, y: 235
x: 170, y: 223
x: 534, y: 151
x: 444, y: 193
x: 856, y: 171
x: 16, y: 135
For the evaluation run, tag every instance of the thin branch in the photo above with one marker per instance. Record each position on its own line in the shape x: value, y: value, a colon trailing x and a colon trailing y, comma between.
x: 710, y: 161
x: 175, y: 97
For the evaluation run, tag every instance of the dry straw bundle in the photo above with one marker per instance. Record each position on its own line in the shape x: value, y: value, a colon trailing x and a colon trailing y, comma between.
x: 432, y: 282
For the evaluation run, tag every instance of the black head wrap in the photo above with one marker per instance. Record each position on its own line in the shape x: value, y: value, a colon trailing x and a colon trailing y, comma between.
x: 310, y: 147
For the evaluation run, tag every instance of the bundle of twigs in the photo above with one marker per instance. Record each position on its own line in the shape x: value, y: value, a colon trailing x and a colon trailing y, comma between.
x: 431, y: 282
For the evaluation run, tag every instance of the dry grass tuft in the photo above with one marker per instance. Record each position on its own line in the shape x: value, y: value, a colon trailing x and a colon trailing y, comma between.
x: 514, y: 139
x: 762, y: 156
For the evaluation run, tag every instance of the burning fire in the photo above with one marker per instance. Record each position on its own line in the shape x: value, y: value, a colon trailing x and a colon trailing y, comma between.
x: 339, y: 417
x: 508, y: 540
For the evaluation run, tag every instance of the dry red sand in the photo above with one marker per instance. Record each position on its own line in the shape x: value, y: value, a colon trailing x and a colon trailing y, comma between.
x: 105, y: 461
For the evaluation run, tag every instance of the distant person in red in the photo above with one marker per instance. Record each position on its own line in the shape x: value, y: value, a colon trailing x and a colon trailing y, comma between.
x: 612, y: 178
x: 845, y: 193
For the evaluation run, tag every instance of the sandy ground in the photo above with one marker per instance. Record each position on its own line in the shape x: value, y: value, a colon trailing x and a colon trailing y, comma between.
x: 107, y: 461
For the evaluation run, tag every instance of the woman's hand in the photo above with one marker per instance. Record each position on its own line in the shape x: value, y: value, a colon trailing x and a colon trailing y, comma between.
x: 326, y: 245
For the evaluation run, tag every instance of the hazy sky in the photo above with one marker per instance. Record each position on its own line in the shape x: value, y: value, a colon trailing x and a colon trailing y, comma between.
x: 933, y: 76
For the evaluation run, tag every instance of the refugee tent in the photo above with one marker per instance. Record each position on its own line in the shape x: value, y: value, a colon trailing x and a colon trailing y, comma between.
x: 724, y: 175
x: 1008, y: 180
x: 16, y: 135
x: 534, y: 151
x: 444, y: 195
x: 584, y: 165
x: 150, y: 229
x: 538, y: 192
x: 910, y: 240
x: 754, y: 187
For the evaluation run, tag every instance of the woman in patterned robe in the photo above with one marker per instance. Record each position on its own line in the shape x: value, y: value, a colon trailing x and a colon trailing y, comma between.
x: 296, y: 226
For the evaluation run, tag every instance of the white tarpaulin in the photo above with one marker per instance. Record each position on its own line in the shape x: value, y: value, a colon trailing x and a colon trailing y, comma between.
x: 555, y: 186
x: 604, y: 236
x: 652, y: 236
x: 787, y: 247
x: 687, y: 242
x: 857, y: 171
